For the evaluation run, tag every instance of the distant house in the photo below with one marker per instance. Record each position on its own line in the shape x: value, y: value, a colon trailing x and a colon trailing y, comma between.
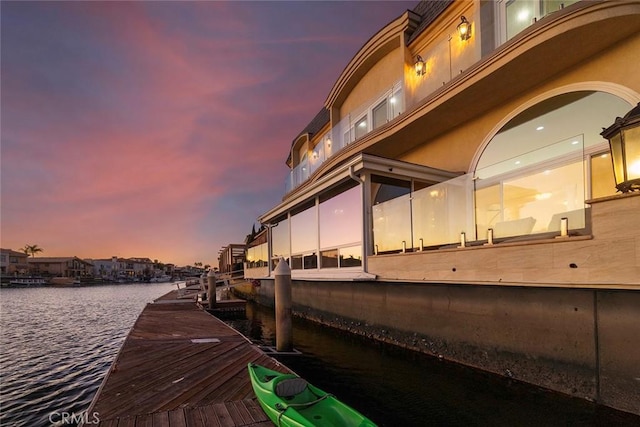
x: 107, y: 268
x: 60, y: 266
x: 257, y: 259
x: 231, y: 258
x: 12, y: 262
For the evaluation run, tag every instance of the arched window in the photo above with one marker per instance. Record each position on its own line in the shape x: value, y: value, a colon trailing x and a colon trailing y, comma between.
x: 544, y: 163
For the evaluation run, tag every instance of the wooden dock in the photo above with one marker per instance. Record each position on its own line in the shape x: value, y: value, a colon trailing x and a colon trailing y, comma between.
x: 181, y: 366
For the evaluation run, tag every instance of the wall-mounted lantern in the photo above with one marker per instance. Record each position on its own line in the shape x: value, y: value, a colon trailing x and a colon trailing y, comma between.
x: 624, y: 140
x: 420, y: 66
x: 464, y: 29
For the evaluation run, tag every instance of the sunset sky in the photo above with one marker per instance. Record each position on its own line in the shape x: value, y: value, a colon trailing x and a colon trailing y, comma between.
x: 160, y: 129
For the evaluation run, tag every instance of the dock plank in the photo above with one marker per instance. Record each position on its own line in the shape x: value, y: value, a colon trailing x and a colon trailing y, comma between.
x: 163, y: 378
x: 177, y: 418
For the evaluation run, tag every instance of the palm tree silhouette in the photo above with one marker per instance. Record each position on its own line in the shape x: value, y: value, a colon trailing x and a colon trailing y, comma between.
x: 32, y: 250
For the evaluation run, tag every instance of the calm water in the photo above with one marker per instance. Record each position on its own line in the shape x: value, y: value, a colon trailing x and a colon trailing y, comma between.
x: 57, y: 345
x: 396, y: 387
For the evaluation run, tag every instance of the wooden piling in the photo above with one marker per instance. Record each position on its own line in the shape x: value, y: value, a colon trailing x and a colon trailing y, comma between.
x: 284, y: 329
x: 211, y: 292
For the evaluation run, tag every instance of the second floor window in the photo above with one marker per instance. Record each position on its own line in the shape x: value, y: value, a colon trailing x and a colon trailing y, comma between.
x: 384, y: 109
x: 519, y: 14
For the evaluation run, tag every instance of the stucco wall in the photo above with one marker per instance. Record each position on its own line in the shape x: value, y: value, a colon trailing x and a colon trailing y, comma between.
x: 379, y: 79
x: 606, y: 72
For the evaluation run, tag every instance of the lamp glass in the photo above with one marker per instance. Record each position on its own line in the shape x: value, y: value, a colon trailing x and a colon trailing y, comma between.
x: 624, y: 140
x: 617, y: 158
x: 420, y: 67
x: 464, y: 29
x: 632, y: 151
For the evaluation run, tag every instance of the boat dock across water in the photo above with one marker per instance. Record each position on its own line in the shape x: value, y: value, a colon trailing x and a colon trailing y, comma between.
x: 181, y: 366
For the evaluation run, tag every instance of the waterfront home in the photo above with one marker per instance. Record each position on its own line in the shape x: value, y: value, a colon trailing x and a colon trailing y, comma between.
x: 454, y: 194
x: 257, y: 256
x: 60, y: 267
x: 130, y: 269
x: 108, y: 268
x: 13, y: 262
x: 231, y: 258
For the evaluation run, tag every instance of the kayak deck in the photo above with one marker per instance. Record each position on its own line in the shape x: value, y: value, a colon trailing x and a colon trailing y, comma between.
x: 289, y: 400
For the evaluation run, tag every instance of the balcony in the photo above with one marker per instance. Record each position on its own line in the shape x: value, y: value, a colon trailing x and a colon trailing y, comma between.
x: 446, y: 61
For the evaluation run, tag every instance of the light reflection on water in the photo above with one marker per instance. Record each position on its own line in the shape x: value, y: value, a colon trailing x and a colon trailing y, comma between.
x: 57, y: 344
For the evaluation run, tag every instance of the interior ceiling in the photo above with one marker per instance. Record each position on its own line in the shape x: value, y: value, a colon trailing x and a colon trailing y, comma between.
x: 578, y: 116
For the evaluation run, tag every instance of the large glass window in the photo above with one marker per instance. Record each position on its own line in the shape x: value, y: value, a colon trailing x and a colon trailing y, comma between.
x: 323, y: 235
x: 310, y: 261
x: 296, y: 262
x: 441, y: 212
x: 351, y: 256
x: 396, y: 104
x: 341, y: 219
x: 361, y: 127
x: 379, y: 114
x: 304, y: 231
x: 341, y: 227
x: 391, y: 214
x: 280, y: 239
x: 519, y: 14
x: 329, y: 259
x: 533, y: 173
x: 533, y: 203
x: 550, y: 6
x: 257, y: 256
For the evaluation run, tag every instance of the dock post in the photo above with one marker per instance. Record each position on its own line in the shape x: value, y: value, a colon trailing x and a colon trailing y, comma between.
x: 284, y: 330
x: 211, y: 292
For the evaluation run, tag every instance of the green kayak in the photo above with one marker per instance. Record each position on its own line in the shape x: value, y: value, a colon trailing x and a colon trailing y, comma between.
x: 289, y: 400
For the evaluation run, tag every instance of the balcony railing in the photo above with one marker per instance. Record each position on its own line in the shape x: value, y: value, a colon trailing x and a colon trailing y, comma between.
x: 550, y: 185
x: 444, y: 61
x: 352, y: 127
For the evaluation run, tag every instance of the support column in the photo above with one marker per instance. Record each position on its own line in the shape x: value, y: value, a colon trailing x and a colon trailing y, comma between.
x: 284, y: 329
x: 211, y: 291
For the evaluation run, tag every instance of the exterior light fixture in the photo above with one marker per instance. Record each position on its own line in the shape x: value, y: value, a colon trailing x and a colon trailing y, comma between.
x: 624, y: 141
x: 420, y: 66
x: 464, y: 29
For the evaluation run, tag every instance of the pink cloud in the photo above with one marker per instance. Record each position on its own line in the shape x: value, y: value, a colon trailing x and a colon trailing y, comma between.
x: 159, y: 129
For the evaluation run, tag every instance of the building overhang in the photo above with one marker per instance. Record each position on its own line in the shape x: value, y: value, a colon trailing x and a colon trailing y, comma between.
x: 586, y: 29
x: 350, y: 169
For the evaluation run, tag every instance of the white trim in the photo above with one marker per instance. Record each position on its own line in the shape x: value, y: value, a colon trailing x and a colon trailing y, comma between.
x: 354, y: 165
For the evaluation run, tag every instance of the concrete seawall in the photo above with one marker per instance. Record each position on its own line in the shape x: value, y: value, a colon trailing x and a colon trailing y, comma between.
x: 581, y: 342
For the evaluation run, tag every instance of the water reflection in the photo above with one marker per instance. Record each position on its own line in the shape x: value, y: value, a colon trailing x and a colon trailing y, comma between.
x: 396, y: 387
x: 57, y: 344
